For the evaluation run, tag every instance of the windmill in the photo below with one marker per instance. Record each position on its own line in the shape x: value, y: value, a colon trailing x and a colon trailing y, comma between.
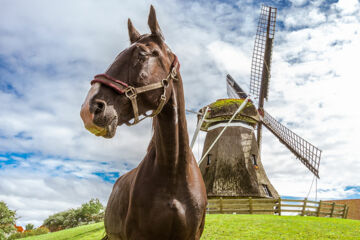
x: 231, y: 163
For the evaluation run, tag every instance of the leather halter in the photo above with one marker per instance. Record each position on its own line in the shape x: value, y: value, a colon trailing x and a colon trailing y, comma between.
x: 132, y: 92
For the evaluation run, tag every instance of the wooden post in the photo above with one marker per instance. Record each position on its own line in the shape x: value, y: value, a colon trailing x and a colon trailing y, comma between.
x: 344, y: 211
x: 279, y: 206
x: 319, y: 209
x: 347, y: 210
x: 250, y: 205
x: 221, y: 205
x: 304, y: 207
x: 332, y: 210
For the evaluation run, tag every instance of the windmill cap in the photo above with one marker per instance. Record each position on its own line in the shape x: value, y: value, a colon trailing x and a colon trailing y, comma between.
x: 222, y: 110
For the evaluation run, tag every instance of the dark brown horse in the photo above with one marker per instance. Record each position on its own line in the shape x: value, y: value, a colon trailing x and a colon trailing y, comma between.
x: 164, y: 197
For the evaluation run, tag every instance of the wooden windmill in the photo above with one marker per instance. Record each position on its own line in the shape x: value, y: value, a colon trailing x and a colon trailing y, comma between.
x: 231, y: 162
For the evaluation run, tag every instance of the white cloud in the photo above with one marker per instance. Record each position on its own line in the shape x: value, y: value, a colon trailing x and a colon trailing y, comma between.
x: 298, y: 3
x: 230, y: 58
x: 302, y: 17
x: 35, y: 196
x: 347, y: 6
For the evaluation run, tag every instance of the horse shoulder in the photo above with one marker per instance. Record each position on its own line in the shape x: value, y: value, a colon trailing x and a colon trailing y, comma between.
x: 118, y: 204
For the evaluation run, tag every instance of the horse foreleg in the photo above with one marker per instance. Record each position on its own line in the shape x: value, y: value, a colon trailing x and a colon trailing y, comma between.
x: 201, y: 228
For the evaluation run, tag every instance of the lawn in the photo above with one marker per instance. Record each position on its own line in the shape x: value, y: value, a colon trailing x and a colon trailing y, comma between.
x: 88, y: 232
x: 278, y: 227
x: 231, y: 227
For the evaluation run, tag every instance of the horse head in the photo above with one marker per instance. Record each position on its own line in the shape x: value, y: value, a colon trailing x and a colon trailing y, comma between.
x: 138, y: 82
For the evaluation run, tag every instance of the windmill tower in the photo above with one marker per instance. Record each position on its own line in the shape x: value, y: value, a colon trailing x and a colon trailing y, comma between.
x: 231, y: 163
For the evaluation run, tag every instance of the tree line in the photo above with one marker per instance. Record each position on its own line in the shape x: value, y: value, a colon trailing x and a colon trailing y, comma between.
x: 90, y: 212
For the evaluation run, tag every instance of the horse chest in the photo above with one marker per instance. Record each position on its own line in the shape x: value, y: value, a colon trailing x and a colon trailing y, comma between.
x: 171, y: 217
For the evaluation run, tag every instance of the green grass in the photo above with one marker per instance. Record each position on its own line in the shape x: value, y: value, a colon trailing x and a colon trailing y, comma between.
x: 232, y: 227
x: 278, y: 227
x: 88, y: 232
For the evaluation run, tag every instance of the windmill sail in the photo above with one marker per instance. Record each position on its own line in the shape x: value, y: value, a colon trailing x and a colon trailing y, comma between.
x: 307, y: 153
x: 233, y: 89
x: 261, y: 59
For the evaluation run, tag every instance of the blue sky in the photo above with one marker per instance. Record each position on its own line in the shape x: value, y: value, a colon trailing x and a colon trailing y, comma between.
x: 49, y: 51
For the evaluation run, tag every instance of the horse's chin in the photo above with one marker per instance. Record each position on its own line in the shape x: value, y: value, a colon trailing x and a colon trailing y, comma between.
x: 105, y: 132
x: 110, y: 130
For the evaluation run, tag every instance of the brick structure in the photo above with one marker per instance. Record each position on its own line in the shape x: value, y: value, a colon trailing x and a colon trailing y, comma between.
x: 354, y: 207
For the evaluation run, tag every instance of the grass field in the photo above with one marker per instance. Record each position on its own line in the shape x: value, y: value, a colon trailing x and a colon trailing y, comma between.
x: 88, y: 232
x: 231, y: 227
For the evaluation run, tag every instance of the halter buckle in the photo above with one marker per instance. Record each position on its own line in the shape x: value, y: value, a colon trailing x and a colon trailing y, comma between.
x: 130, y: 92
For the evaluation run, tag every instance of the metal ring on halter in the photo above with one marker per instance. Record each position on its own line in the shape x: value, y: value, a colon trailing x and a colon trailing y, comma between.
x: 132, y: 91
x: 165, y: 83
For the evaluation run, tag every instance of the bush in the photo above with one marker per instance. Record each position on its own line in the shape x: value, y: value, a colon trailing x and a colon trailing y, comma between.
x: 34, y: 232
x: 90, y: 212
x: 7, y: 220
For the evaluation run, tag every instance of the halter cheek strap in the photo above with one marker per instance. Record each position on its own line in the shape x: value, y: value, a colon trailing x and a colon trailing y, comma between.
x: 132, y: 92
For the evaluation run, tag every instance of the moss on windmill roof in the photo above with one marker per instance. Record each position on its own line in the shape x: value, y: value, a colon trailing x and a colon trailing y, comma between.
x: 223, y: 109
x: 220, y: 103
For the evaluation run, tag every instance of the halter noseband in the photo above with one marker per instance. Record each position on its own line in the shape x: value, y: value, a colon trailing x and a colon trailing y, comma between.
x: 132, y: 92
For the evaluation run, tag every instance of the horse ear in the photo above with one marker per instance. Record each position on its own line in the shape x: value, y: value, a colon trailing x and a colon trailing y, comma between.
x: 153, y: 23
x: 133, y: 33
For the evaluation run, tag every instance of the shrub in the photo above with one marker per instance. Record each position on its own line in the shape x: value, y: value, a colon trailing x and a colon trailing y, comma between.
x: 90, y: 212
x: 34, y: 232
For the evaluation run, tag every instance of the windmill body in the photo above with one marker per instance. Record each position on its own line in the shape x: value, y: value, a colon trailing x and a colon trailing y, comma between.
x: 231, y: 161
x: 233, y: 167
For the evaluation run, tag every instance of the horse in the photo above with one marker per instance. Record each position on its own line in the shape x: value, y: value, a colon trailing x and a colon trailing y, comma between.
x: 164, y: 197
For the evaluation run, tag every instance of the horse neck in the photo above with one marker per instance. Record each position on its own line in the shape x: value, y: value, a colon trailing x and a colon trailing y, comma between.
x: 170, y: 138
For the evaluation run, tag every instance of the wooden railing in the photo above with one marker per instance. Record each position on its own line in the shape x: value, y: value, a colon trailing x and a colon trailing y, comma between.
x: 277, y: 206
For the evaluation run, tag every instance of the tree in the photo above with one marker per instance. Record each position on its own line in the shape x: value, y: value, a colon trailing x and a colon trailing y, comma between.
x: 29, y: 226
x: 7, y: 220
x: 88, y: 213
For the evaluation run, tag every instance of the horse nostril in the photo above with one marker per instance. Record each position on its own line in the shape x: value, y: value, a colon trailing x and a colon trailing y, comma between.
x: 99, y: 107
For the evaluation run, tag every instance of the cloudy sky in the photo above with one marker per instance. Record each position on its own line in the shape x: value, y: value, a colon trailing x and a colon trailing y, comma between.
x: 50, y: 50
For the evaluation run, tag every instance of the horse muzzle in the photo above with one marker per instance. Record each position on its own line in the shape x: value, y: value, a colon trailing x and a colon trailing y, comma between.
x: 99, y: 118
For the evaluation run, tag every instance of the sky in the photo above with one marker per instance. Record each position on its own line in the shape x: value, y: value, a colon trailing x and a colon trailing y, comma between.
x: 50, y: 50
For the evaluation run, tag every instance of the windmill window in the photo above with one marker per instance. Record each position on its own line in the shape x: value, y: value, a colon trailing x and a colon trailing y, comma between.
x: 208, y: 160
x: 253, y: 158
x: 266, y: 190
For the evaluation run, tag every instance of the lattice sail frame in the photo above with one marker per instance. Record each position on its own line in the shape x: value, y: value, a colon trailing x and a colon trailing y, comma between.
x: 233, y: 89
x: 307, y: 153
x: 261, y: 58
